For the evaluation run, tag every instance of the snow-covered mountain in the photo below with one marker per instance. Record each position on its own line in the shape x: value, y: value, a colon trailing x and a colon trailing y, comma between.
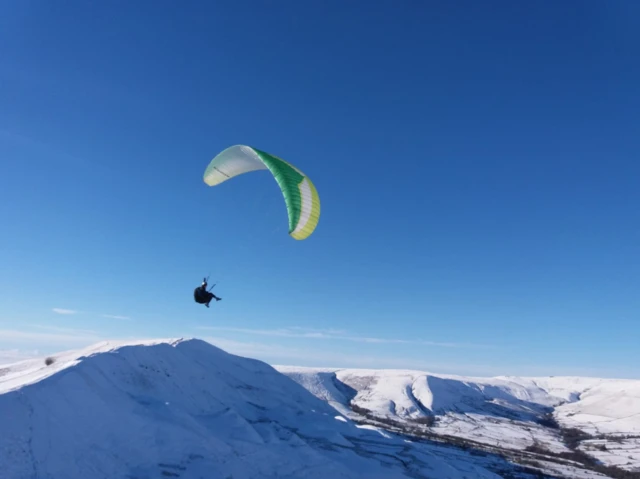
x: 186, y: 409
x: 600, y: 417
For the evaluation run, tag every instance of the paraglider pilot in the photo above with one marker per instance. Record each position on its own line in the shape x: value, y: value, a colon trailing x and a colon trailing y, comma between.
x: 202, y: 296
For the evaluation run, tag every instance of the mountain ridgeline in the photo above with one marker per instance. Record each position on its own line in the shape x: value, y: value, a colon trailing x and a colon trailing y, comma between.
x: 187, y: 409
x: 591, y: 421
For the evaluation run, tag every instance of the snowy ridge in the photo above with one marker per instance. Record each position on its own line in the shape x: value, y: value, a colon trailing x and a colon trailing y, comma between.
x: 29, y: 371
x: 186, y: 409
x: 506, y: 412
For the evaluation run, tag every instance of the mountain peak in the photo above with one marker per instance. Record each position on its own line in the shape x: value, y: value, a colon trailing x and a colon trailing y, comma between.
x: 182, y: 407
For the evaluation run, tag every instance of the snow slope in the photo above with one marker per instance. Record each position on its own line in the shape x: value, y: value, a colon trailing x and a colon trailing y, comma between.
x: 596, y: 405
x: 506, y: 412
x: 186, y: 409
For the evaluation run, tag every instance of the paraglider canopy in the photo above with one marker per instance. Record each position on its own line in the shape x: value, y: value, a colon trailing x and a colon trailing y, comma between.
x: 300, y: 195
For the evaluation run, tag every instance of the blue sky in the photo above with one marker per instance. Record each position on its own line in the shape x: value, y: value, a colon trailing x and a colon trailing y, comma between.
x: 477, y: 166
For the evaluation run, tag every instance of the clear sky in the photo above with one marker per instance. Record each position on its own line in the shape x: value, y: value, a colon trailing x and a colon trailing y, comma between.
x: 477, y: 164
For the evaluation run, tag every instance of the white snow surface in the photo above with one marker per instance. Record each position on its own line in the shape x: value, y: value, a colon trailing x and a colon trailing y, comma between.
x: 187, y: 409
x: 500, y: 411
